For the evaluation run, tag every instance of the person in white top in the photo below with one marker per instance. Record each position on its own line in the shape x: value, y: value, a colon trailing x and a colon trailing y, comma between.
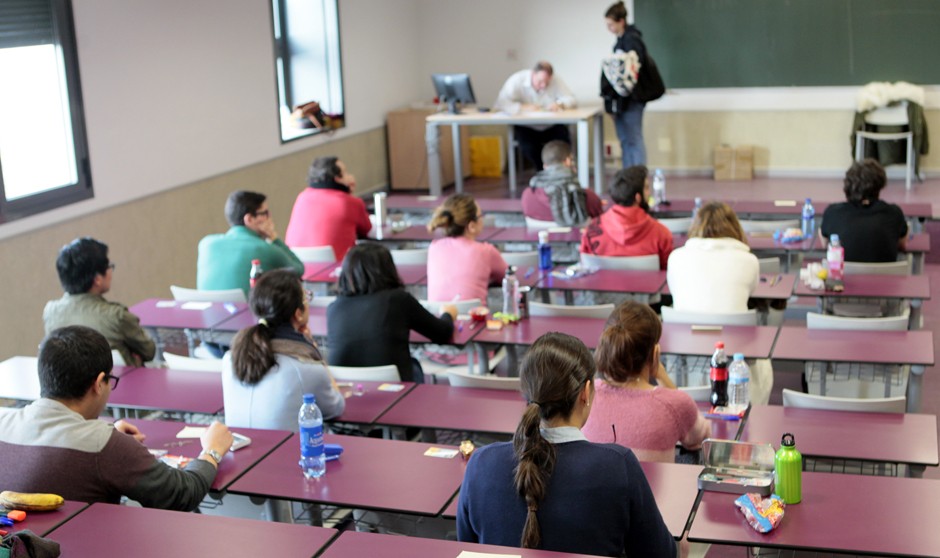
x: 715, y: 271
x: 538, y: 89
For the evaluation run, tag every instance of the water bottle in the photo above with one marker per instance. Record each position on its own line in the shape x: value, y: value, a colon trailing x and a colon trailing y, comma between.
x: 835, y: 255
x: 719, y: 376
x: 545, y: 252
x: 698, y: 205
x: 310, y: 420
x: 808, y: 219
x: 511, y: 292
x: 788, y: 470
x: 659, y: 187
x: 739, y: 381
x: 255, y: 272
x: 379, y: 201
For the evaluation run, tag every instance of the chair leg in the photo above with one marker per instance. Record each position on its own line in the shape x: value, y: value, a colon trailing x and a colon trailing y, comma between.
x: 859, y: 142
x: 910, y: 161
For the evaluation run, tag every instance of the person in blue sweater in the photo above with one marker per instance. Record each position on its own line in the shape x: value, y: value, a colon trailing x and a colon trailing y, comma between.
x: 550, y: 488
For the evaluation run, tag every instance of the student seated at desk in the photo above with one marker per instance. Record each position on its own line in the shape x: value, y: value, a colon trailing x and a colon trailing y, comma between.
x: 460, y: 267
x: 552, y: 489
x: 274, y: 363
x: 628, y: 409
x: 548, y: 190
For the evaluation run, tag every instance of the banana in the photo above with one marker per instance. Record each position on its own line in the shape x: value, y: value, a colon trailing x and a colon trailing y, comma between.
x: 30, y: 501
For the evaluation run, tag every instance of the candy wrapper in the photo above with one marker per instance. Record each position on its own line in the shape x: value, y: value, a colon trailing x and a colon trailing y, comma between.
x: 763, y: 515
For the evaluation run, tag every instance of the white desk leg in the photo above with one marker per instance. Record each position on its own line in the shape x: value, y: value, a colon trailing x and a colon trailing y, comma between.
x: 598, y: 154
x: 511, y: 156
x: 914, y: 381
x: 584, y: 170
x: 432, y: 143
x: 914, y: 321
x: 458, y: 160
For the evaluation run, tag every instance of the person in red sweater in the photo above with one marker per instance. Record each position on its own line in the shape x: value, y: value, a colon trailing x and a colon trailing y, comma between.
x: 627, y: 229
x: 327, y: 213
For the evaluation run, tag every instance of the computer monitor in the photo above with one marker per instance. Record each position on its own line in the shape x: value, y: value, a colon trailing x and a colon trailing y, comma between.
x: 453, y: 89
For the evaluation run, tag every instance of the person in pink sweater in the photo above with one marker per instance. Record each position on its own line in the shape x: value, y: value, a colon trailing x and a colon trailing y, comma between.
x: 327, y: 213
x: 628, y: 409
x: 459, y: 267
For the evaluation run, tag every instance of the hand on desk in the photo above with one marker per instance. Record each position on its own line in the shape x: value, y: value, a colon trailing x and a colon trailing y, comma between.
x: 128, y: 428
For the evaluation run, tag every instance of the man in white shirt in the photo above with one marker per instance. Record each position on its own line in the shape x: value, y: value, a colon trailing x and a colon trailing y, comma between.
x: 537, y: 89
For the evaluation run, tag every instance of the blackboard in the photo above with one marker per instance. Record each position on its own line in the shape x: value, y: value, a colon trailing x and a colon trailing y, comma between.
x: 761, y: 43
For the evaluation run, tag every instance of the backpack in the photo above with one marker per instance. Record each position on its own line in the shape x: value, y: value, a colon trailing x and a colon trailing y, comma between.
x: 569, y: 204
x: 649, y: 87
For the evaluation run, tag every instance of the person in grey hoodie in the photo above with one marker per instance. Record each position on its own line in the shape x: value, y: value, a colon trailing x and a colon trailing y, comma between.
x: 558, y: 179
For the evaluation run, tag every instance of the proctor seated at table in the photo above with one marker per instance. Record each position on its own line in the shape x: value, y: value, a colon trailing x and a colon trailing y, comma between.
x: 869, y: 229
x: 627, y: 229
x: 58, y: 445
x: 629, y: 409
x: 274, y: 363
x: 85, y: 273
x: 326, y: 212
x: 552, y: 489
x: 554, y: 193
x: 538, y: 89
x: 225, y: 259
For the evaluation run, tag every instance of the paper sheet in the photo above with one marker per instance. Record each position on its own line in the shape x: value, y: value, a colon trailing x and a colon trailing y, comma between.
x: 391, y: 387
x: 468, y: 554
x: 446, y: 453
x: 196, y: 305
x: 166, y: 304
x: 785, y: 203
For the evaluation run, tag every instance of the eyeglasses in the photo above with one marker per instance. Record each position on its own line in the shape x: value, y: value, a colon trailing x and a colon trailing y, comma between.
x: 113, y: 380
x: 112, y: 265
x: 308, y: 296
x: 265, y: 213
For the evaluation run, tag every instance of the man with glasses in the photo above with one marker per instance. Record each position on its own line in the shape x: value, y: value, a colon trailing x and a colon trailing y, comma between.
x: 225, y: 259
x: 85, y: 273
x: 57, y: 444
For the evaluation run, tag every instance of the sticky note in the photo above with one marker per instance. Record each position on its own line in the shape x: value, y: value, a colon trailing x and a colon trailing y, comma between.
x: 166, y: 304
x: 391, y: 387
x: 446, y: 453
x: 427, y: 198
x: 196, y: 305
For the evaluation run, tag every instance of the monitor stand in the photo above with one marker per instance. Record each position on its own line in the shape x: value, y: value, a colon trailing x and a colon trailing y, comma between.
x: 452, y: 105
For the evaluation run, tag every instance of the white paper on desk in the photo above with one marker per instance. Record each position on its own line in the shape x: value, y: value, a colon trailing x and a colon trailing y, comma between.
x: 468, y: 554
x: 391, y: 387
x: 784, y: 203
x: 559, y: 230
x: 427, y: 198
x: 192, y: 432
x: 196, y: 305
x: 166, y: 304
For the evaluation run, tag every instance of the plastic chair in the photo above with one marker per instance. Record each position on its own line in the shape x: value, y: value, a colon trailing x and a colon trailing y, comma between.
x: 463, y: 306
x: 673, y: 316
x: 826, y: 321
x: 698, y: 393
x: 752, y: 226
x: 531, y: 223
x: 178, y: 362
x: 460, y: 377
x: 197, y: 295
x: 117, y: 358
x: 793, y: 398
x: 414, y: 256
x: 769, y: 265
x: 638, y: 263
x: 386, y: 373
x: 595, y: 311
x: 314, y: 254
x: 522, y: 260
x: 321, y: 301
x: 901, y: 267
x: 677, y: 225
x: 892, y: 115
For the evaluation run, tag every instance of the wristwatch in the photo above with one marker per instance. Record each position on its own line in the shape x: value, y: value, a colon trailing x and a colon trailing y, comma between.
x: 214, y: 455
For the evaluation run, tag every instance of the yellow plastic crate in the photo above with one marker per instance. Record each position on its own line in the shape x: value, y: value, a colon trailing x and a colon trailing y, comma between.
x: 486, y: 156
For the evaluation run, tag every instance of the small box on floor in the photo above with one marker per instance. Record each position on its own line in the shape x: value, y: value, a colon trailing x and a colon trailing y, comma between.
x: 734, y: 163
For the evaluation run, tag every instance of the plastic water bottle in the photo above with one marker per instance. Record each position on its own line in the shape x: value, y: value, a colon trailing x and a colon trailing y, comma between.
x: 511, y: 292
x: 545, y: 252
x: 698, y: 205
x: 719, y: 376
x: 659, y: 187
x: 255, y: 273
x: 835, y: 255
x: 788, y: 470
x: 808, y: 219
x: 310, y: 420
x: 739, y: 382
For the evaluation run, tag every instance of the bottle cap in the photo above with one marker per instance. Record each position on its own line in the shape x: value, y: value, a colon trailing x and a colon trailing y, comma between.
x: 511, y: 270
x: 787, y: 440
x: 309, y: 398
x: 255, y: 262
x: 834, y: 238
x: 543, y: 237
x: 809, y: 200
x: 720, y: 345
x: 738, y: 356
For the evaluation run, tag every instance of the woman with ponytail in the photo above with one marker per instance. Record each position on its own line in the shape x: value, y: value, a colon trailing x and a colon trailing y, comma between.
x: 459, y: 266
x: 552, y: 489
x: 273, y: 363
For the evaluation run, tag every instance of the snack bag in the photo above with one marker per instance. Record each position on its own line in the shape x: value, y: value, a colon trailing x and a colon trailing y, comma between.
x: 763, y: 515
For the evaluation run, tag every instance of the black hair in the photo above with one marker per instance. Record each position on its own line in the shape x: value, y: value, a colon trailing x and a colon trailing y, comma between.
x: 368, y: 268
x: 79, y: 262
x: 864, y: 181
x: 617, y: 12
x: 324, y: 169
x: 241, y: 203
x: 627, y: 184
x: 70, y: 359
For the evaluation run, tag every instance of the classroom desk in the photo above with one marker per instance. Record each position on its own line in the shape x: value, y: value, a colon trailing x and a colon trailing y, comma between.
x: 915, y: 288
x: 752, y: 341
x: 869, y: 347
x: 646, y: 283
x: 721, y: 429
x: 445, y: 407
x: 918, y: 244
x: 366, y: 407
x: 157, y: 313
x: 41, y: 523
x: 163, y: 389
x: 352, y: 544
x: 19, y: 377
x: 110, y: 530
x: 411, y: 274
x: 881, y: 437
x: 413, y: 233
x: 579, y: 116
x: 525, y: 332
x: 161, y: 435
x: 427, y: 204
x: 556, y: 235
x: 372, y: 473
x: 839, y: 513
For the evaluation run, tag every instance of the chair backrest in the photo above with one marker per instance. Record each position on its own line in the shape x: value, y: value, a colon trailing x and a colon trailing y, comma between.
x: 196, y: 295
x: 752, y: 226
x: 522, y: 260
x: 769, y: 265
x: 321, y: 301
x: 117, y: 358
x: 531, y: 223
x: 698, y: 393
x: 178, y: 362
x: 593, y: 311
x: 462, y: 378
x: 314, y: 254
x: 463, y: 306
x: 901, y: 267
x: 826, y: 321
x: 673, y: 316
x: 386, y: 373
x: 892, y: 115
x: 807, y: 401
x: 412, y: 256
x: 677, y: 225
x: 639, y: 263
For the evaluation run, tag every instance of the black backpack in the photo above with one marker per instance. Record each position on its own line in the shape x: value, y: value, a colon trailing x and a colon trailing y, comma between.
x: 649, y: 87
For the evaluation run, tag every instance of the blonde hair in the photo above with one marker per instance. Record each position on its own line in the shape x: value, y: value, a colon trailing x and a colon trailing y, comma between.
x: 717, y: 220
x: 455, y: 214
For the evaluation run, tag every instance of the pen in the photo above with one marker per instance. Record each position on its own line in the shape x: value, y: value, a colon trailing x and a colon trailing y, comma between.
x: 722, y: 417
x: 529, y: 273
x: 776, y: 280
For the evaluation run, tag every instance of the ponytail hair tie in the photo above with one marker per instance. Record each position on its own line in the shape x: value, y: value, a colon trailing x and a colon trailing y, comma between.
x: 263, y: 322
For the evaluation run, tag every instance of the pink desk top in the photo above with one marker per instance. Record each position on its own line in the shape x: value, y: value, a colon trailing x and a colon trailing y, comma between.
x: 842, y: 513
x: 457, y: 408
x: 109, y: 530
x: 43, y: 522
x: 886, y: 437
x: 753, y: 341
x: 919, y: 242
x: 525, y: 332
x: 369, y: 406
x: 877, y: 347
x: 169, y: 390
x: 523, y: 234
x: 312, y: 268
x: 371, y: 474
x: 156, y: 312
x: 462, y: 334
x: 429, y: 203
x: 162, y: 435
x: 608, y: 280
x: 876, y: 286
x: 720, y: 429
x: 414, y: 233
x: 760, y: 242
x: 19, y: 377
x: 410, y: 274
x: 771, y: 286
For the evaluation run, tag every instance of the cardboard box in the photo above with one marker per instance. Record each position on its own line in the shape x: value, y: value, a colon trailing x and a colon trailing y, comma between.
x: 734, y: 163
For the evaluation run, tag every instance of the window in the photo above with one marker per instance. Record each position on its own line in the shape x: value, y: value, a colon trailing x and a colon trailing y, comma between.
x: 309, y: 70
x: 43, y: 150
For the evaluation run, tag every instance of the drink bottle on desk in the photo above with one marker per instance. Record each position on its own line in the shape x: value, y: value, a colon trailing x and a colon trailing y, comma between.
x: 310, y: 421
x: 255, y: 272
x: 739, y: 381
x: 511, y: 292
x: 719, y: 376
x: 788, y: 469
x: 835, y: 255
x: 698, y: 205
x: 659, y: 187
x: 545, y: 252
x: 808, y: 219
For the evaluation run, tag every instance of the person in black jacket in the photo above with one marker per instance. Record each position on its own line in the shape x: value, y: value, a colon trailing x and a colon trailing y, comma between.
x: 628, y: 119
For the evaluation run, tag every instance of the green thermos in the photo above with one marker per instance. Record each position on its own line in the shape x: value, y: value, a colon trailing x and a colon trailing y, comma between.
x: 788, y: 468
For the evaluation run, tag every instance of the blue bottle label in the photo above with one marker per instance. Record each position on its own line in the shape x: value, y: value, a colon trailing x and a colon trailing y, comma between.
x: 311, y: 441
